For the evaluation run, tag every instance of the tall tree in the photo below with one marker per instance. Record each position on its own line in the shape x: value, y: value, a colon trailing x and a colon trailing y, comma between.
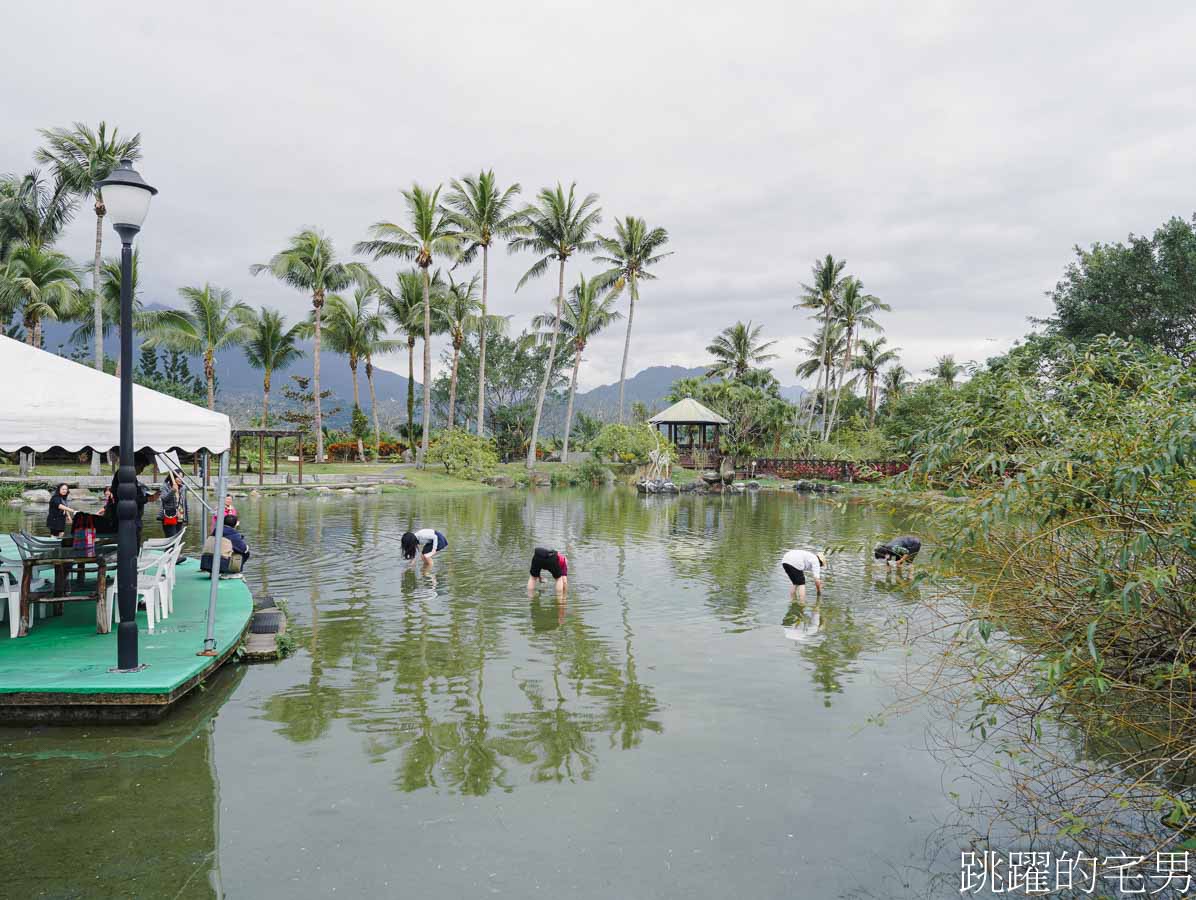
x: 39, y: 283
x: 429, y: 235
x: 272, y: 347
x: 82, y: 309
x: 873, y: 357
x: 33, y: 210
x: 459, y: 313
x: 309, y: 264
x: 585, y: 315
x: 210, y: 321
x: 81, y: 158
x: 736, y: 350
x: 896, y: 382
x: 404, y: 307
x: 555, y: 228
x: 946, y: 369
x: 854, y: 311
x: 818, y: 359
x: 631, y: 253
x: 356, y: 329
x: 820, y: 295
x: 482, y: 212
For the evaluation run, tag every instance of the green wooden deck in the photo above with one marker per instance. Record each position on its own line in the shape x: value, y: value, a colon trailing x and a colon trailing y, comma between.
x: 61, y: 670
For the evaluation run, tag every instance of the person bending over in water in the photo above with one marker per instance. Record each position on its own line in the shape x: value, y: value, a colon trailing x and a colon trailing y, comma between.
x: 427, y: 542
x: 901, y: 549
x: 555, y: 564
x: 796, y: 564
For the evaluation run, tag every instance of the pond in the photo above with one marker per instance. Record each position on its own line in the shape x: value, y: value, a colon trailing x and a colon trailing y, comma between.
x: 660, y: 734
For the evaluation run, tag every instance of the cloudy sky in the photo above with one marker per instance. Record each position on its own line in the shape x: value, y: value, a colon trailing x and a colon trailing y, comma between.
x: 952, y: 152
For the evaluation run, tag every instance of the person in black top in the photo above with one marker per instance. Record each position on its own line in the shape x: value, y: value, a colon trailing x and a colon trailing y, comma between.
x: 56, y: 517
x: 902, y: 549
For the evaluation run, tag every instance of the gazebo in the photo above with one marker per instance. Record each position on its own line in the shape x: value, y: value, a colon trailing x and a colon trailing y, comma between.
x: 690, y: 426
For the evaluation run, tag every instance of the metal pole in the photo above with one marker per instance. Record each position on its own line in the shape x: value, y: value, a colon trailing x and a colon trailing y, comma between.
x: 126, y: 475
x: 217, y: 531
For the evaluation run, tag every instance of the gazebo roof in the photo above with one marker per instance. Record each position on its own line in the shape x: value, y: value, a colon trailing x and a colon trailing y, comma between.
x: 688, y: 412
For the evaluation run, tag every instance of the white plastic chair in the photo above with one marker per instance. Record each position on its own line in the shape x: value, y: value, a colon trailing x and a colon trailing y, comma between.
x: 172, y: 547
x: 12, y: 588
x: 148, y: 586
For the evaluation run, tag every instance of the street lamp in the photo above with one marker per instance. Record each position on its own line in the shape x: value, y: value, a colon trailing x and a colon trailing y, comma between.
x: 127, y: 200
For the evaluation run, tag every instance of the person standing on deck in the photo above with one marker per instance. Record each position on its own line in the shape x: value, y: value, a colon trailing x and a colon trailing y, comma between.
x: 56, y: 517
x: 796, y: 564
x: 174, y: 504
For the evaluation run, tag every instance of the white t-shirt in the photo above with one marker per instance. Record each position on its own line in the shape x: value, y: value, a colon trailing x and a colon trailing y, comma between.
x: 803, y: 560
x: 426, y: 536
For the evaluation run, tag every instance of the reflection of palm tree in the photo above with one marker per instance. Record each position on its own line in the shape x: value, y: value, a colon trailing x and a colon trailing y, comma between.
x: 843, y: 640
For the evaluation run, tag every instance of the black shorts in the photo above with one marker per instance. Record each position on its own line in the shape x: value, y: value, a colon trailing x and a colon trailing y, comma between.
x: 797, y: 576
x: 549, y: 563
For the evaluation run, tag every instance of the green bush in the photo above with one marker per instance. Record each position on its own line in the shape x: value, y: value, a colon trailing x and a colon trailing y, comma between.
x: 625, y: 443
x: 592, y: 471
x: 464, y: 455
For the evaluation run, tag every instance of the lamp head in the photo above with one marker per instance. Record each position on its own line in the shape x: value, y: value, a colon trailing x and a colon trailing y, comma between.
x: 126, y: 198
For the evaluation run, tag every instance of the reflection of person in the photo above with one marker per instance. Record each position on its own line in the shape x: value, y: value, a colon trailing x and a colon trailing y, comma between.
x: 902, y: 549
x: 801, y: 624
x: 56, y: 517
x: 796, y: 564
x: 552, y: 562
x: 426, y: 541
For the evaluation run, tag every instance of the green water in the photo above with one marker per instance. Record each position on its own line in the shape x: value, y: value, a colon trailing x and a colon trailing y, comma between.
x: 438, y: 735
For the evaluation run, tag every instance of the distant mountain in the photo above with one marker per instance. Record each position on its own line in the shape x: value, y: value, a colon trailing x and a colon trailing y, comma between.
x: 648, y: 387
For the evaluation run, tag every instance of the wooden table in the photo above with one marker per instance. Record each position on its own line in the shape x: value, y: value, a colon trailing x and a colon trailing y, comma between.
x: 62, y: 560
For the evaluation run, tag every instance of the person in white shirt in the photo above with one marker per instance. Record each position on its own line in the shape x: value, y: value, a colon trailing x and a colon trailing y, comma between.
x: 427, y: 542
x: 796, y: 564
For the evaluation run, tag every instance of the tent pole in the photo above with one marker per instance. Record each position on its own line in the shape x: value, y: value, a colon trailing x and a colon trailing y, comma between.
x: 209, y: 641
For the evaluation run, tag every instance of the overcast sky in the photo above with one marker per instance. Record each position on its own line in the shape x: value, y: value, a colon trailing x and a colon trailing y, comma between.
x: 952, y: 152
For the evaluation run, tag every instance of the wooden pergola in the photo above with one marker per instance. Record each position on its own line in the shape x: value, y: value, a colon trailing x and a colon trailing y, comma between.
x: 261, y: 434
x: 690, y: 426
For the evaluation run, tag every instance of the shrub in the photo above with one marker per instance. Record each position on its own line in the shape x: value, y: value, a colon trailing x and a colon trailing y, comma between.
x: 594, y: 472
x: 464, y: 455
x: 625, y: 443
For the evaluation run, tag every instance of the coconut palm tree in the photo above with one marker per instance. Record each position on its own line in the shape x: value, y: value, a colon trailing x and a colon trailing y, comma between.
x: 41, y: 284
x: 630, y: 254
x: 33, y: 210
x: 81, y: 157
x: 820, y: 295
x: 404, y: 307
x: 854, y: 310
x: 736, y: 350
x: 210, y: 322
x: 873, y: 357
x: 555, y: 228
x: 82, y: 308
x: 308, y: 263
x: 896, y: 382
x: 272, y: 347
x: 431, y: 234
x: 459, y: 313
x: 482, y: 212
x: 356, y: 329
x: 946, y: 369
x: 585, y: 315
x: 818, y: 359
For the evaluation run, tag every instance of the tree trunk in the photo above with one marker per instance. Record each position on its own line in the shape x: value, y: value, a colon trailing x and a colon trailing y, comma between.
x: 29, y: 331
x: 410, y: 390
x: 369, y: 379
x: 482, y: 345
x: 426, y: 430
x: 356, y: 406
x: 627, y: 344
x: 452, y: 422
x: 266, y: 400
x: 556, y: 327
x: 569, y: 407
x: 826, y: 337
x: 209, y: 373
x: 871, y: 400
x: 317, y: 302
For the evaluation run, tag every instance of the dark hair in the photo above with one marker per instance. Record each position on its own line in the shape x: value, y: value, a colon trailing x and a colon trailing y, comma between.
x: 230, y: 521
x: 882, y: 551
x: 58, y: 490
x: 410, y: 544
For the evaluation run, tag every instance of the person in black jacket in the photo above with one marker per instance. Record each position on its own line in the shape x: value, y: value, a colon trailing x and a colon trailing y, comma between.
x: 56, y: 517
x: 902, y: 549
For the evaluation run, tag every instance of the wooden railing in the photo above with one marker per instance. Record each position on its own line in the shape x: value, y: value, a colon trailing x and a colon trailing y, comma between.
x: 825, y: 469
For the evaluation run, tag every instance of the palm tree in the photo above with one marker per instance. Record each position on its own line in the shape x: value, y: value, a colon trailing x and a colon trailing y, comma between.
x: 896, y: 381
x: 873, y: 357
x: 41, y: 283
x: 355, y: 329
x: 821, y: 295
x: 272, y: 347
x: 585, y: 315
x: 946, y: 369
x: 819, y: 354
x: 460, y: 313
x: 309, y: 264
x: 431, y: 235
x: 554, y: 229
x: 736, y: 350
x: 82, y: 157
x: 405, y: 308
x: 33, y: 211
x: 210, y: 322
x: 481, y: 212
x: 854, y: 312
x: 82, y: 308
x: 632, y: 251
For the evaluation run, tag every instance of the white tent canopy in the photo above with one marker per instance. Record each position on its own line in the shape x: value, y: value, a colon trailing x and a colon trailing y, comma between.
x: 49, y: 401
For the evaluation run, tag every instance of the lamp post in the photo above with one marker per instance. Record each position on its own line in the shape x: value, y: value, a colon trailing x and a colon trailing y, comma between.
x: 127, y: 198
